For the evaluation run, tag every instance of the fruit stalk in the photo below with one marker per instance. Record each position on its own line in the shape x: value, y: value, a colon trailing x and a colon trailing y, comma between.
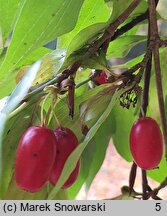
x: 143, y: 111
x: 154, y: 37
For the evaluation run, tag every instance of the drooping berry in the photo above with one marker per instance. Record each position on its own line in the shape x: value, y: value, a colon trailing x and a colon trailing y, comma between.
x: 146, y: 143
x: 35, y: 157
x: 67, y: 142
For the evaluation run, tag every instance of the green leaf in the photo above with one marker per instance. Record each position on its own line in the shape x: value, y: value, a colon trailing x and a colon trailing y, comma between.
x: 15, y: 193
x: 97, y: 61
x: 21, y: 89
x: 85, y: 36
x: 12, y: 131
x: 86, y: 161
x: 153, y: 107
x: 161, y: 173
x: 74, y: 124
x: 109, y: 3
x: 51, y: 63
x: 101, y: 141
x: 120, y: 5
x: 95, y: 106
x: 9, y: 188
x: 8, y: 11
x: 125, y: 194
x: 162, y: 7
x: 47, y: 21
x: 12, y: 102
x: 92, y: 12
x: 34, y: 56
x: 126, y: 43
x: 123, y: 121
x: 75, y: 155
x: 94, y: 153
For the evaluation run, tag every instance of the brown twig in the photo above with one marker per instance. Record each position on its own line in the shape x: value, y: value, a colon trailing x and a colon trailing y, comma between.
x: 153, y: 193
x: 163, y: 43
x: 71, y: 96
x: 109, y: 32
x: 146, y: 86
x: 154, y: 37
x: 144, y: 185
x: 131, y: 24
x: 132, y: 177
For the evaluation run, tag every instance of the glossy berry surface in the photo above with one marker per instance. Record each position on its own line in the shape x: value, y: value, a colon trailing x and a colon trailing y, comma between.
x: 67, y: 142
x: 35, y: 157
x: 146, y: 143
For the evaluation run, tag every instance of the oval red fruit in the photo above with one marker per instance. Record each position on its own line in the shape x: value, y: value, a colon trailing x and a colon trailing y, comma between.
x: 35, y: 158
x: 146, y: 143
x: 67, y: 142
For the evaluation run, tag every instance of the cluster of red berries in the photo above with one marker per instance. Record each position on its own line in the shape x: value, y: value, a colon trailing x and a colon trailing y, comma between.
x: 146, y: 143
x: 41, y: 156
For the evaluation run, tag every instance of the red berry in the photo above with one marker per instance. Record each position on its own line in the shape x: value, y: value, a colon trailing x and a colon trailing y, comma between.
x: 35, y: 157
x: 146, y: 143
x: 67, y: 142
x: 102, y: 78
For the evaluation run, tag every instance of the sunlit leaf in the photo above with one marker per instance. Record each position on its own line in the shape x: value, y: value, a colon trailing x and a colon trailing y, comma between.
x: 46, y: 22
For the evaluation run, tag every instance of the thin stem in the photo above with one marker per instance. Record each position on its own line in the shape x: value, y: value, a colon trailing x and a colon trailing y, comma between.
x: 146, y: 87
x: 132, y: 177
x: 147, y: 76
x: 155, y: 39
x: 17, y: 110
x: 131, y: 24
x: 109, y: 32
x: 82, y: 83
x: 56, y: 119
x: 144, y: 185
x: 42, y: 110
x: 143, y: 110
x: 71, y: 97
x: 51, y: 111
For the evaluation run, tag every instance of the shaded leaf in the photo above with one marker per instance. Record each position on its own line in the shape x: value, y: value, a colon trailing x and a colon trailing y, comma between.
x: 101, y: 141
x: 9, y: 141
x: 12, y: 102
x: 160, y: 173
x: 94, y: 107
x: 123, y: 120
x: 120, y: 5
x: 85, y: 37
x: 96, y: 62
x: 126, y: 43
